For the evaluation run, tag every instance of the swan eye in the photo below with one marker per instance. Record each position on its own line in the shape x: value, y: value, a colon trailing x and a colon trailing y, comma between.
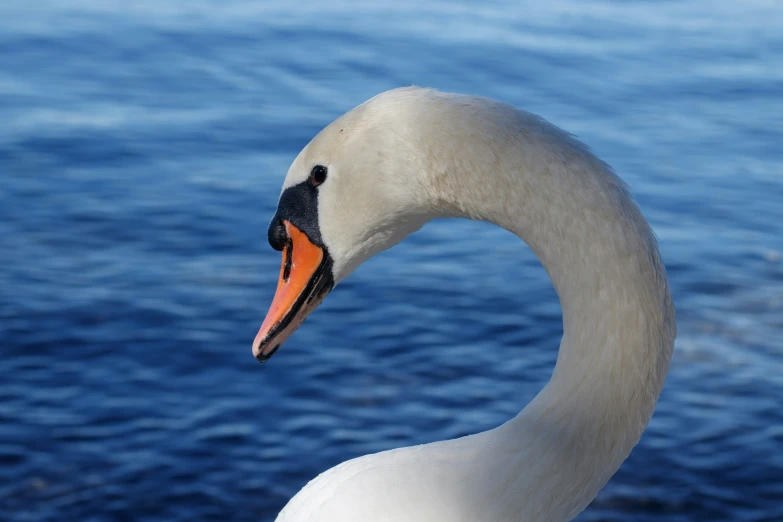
x: 318, y: 175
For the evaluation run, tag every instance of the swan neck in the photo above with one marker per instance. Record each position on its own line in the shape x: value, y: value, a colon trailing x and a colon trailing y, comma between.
x: 618, y: 320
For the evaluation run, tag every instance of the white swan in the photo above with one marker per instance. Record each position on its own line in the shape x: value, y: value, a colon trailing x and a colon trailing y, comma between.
x: 406, y: 156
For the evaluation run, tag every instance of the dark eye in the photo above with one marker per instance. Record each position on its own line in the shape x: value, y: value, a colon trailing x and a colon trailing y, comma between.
x: 318, y: 175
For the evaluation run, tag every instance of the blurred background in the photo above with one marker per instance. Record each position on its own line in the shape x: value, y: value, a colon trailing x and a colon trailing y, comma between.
x: 142, y: 149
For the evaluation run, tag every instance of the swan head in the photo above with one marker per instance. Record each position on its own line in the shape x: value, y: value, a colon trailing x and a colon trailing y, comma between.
x: 351, y: 193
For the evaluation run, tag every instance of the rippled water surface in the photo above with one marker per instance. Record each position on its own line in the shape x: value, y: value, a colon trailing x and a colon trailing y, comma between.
x: 142, y: 149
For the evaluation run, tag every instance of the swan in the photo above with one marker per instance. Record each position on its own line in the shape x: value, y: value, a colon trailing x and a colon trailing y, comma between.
x: 406, y: 156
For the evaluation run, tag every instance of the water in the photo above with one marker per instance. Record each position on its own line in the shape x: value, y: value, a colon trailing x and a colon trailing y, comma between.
x: 142, y: 149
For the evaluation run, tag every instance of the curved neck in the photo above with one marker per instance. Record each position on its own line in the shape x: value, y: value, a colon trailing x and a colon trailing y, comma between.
x: 580, y: 220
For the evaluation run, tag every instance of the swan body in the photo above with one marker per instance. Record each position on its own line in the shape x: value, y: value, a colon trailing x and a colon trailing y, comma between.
x: 410, y: 155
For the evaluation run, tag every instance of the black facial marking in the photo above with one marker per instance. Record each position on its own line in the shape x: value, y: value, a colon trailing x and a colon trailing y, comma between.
x: 276, y: 234
x: 299, y: 206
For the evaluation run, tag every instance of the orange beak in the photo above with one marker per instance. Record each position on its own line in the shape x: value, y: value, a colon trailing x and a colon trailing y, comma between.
x: 305, y: 279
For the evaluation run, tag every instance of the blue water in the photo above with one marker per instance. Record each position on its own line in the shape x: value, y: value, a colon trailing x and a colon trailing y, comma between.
x: 142, y: 149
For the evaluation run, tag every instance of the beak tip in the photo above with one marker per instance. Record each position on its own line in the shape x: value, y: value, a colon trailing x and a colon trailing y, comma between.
x: 261, y: 356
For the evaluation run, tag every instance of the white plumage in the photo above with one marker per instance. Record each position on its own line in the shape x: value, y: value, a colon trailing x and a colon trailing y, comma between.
x: 410, y: 155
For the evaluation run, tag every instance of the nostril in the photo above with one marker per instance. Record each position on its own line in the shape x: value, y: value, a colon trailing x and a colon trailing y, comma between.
x: 277, y: 234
